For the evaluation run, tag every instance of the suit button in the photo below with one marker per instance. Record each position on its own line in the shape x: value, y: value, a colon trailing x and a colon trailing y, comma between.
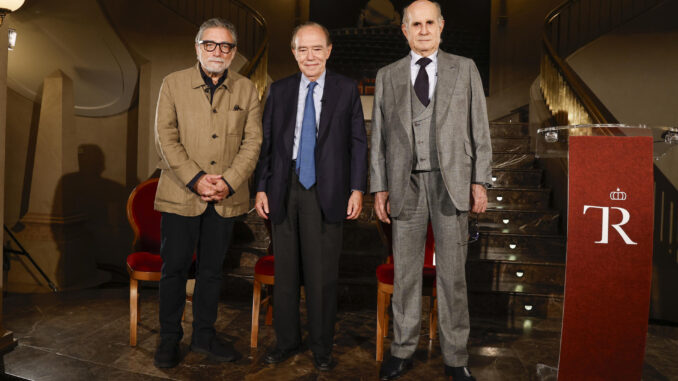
x: 214, y: 111
x: 214, y: 136
x: 207, y: 90
x: 213, y: 162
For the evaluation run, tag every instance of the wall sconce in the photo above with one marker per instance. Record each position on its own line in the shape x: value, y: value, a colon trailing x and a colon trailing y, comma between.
x: 11, y: 35
x: 8, y: 6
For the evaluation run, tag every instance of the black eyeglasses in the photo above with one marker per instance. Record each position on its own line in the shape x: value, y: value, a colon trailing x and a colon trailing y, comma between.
x: 209, y: 46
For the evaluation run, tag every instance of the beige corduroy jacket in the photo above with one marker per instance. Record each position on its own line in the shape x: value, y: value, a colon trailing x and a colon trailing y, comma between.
x: 219, y: 138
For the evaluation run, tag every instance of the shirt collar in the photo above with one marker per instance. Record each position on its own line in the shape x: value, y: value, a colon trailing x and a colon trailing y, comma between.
x: 320, y: 81
x: 416, y: 57
x: 208, y: 79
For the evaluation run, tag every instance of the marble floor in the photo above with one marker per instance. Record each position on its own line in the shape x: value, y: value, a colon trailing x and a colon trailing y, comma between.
x: 83, y: 335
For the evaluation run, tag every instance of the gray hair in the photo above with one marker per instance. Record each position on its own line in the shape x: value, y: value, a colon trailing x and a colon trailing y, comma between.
x: 217, y: 22
x: 310, y: 23
x: 406, y: 16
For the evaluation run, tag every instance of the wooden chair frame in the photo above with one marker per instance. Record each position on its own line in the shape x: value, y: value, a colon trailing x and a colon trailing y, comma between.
x: 136, y: 276
x: 268, y: 281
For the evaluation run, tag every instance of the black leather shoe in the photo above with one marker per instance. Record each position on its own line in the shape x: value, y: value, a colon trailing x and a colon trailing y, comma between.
x: 458, y: 373
x: 216, y: 349
x: 276, y: 355
x: 167, y: 354
x: 394, y: 367
x: 322, y: 363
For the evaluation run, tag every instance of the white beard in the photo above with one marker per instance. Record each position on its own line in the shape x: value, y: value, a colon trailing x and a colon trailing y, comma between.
x: 213, y: 66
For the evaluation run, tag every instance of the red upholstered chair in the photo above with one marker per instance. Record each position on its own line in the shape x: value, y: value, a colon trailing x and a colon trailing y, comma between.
x: 145, y: 263
x: 385, y: 274
x: 263, y: 275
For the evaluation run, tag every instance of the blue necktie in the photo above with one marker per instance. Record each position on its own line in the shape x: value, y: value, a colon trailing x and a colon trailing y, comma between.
x: 306, y: 152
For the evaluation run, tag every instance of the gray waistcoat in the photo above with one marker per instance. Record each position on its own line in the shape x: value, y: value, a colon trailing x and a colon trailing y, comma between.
x: 423, y: 128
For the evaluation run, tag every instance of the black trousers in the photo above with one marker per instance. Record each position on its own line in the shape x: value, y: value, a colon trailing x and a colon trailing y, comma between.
x: 210, y: 234
x: 305, y: 243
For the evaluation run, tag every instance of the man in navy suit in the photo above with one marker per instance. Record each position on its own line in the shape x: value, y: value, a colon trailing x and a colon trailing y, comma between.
x: 311, y: 175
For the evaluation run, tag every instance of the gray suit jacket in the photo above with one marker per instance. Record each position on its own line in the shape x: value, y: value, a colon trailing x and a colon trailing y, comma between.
x: 462, y: 131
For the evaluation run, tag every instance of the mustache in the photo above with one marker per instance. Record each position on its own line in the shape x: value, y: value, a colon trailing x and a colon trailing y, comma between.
x: 219, y: 60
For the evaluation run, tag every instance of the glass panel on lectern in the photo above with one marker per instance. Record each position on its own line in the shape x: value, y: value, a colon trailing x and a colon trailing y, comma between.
x: 552, y: 142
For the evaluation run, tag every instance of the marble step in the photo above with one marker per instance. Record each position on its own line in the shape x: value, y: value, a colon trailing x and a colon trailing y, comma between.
x: 518, y: 115
x: 514, y: 246
x: 511, y: 145
x: 512, y: 160
x: 250, y: 232
x: 527, y: 258
x: 360, y: 263
x: 491, y: 303
x: 508, y: 130
x: 519, y: 221
x: 545, y: 274
x: 516, y: 177
x: 362, y: 236
x: 519, y: 198
x: 359, y: 291
x: 515, y: 288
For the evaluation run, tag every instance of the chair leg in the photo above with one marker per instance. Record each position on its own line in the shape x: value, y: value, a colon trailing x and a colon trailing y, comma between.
x: 381, y: 312
x: 269, y: 314
x: 189, y: 299
x: 267, y: 304
x: 256, y: 300
x: 386, y: 316
x: 433, y: 318
x: 138, y: 302
x: 133, y: 311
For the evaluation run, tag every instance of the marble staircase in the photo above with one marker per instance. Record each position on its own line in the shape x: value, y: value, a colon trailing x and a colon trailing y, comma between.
x: 517, y: 267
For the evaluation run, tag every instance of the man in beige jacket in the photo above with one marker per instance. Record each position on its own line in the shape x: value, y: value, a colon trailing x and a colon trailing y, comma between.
x: 208, y: 135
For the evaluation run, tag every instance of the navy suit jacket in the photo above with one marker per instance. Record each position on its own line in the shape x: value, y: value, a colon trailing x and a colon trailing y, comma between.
x: 341, y: 147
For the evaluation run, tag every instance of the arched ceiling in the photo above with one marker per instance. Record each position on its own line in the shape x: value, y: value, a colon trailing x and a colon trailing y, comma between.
x: 75, y: 37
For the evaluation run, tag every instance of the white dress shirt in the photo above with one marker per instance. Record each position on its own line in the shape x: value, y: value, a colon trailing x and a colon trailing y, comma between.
x: 431, y: 70
x: 301, y: 103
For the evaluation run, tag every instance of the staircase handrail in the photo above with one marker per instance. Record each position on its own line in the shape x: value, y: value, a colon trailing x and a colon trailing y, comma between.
x: 565, y: 93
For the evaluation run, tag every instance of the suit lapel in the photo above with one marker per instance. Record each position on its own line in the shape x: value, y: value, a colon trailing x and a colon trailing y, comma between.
x: 328, y: 103
x: 448, y: 71
x: 401, y: 87
x: 291, y: 98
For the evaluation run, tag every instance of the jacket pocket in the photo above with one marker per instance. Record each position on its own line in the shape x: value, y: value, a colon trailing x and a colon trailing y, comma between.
x: 236, y: 122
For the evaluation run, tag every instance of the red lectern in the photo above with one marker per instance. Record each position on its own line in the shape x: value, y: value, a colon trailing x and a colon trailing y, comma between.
x: 609, y: 247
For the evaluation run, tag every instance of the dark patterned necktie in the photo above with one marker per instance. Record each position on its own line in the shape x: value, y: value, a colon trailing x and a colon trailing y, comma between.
x: 421, y: 83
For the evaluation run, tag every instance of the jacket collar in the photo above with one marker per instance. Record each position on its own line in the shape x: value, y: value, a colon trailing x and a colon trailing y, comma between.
x: 197, y: 80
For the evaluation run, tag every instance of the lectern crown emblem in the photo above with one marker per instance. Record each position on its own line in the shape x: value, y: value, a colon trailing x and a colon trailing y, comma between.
x: 618, y: 195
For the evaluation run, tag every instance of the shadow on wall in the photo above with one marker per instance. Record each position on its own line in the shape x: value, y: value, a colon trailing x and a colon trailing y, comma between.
x: 102, y: 203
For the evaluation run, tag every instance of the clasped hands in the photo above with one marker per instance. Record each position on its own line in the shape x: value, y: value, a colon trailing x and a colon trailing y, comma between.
x: 211, y: 188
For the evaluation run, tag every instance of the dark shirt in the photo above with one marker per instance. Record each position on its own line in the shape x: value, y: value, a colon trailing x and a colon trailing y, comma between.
x: 210, y: 84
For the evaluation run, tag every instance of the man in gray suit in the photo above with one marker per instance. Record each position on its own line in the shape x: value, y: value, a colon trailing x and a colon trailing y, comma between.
x: 430, y: 160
